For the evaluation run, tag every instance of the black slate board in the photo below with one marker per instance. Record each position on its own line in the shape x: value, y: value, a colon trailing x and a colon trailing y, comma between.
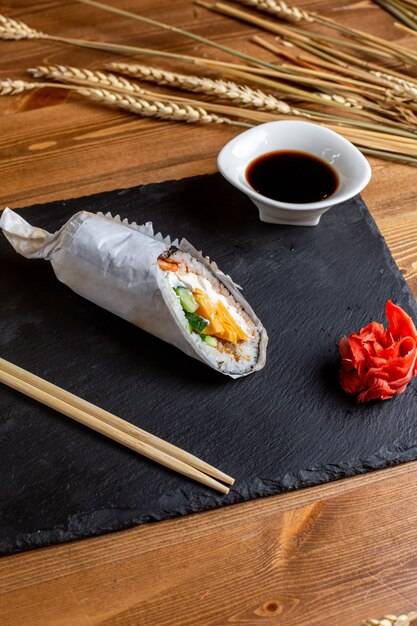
x: 285, y: 427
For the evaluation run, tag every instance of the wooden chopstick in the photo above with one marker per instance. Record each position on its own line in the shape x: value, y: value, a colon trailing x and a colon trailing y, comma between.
x: 55, y: 397
x: 109, y: 418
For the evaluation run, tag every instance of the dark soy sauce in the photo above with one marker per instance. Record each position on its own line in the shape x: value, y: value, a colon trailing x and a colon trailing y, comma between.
x: 291, y: 176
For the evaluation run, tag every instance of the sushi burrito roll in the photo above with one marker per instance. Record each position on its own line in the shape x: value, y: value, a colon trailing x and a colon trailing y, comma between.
x: 165, y: 287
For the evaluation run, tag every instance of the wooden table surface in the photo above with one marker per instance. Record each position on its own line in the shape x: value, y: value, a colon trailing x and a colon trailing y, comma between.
x: 331, y: 555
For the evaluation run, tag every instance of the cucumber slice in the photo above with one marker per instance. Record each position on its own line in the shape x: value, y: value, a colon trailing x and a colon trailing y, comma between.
x: 197, y: 322
x: 210, y: 341
x: 186, y: 298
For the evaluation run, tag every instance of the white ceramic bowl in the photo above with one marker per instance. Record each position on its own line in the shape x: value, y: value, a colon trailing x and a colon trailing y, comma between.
x: 352, y: 168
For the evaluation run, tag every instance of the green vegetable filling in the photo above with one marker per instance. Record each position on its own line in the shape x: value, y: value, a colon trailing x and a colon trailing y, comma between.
x: 187, y: 300
x: 209, y: 340
x: 196, y: 322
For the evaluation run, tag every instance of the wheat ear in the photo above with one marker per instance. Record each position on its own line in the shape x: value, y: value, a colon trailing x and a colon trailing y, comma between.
x: 153, y: 108
x: 80, y: 77
x: 242, y: 95
x: 150, y: 104
x: 368, y: 43
x: 224, y: 89
x: 280, y: 9
x: 15, y: 29
x: 401, y: 86
x: 174, y: 111
x: 146, y: 108
x: 9, y: 87
x: 392, y: 620
x: 228, y: 90
x: 85, y: 77
x: 238, y: 94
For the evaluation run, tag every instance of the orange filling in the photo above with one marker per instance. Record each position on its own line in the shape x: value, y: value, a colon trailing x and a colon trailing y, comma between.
x: 167, y: 265
x: 221, y: 323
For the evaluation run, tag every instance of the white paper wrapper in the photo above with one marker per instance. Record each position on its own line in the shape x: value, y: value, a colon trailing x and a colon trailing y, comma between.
x: 113, y: 263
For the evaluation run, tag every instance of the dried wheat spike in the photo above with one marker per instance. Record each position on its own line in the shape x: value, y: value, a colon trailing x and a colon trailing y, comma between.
x: 392, y: 620
x: 280, y: 9
x: 152, y: 108
x: 78, y: 76
x: 11, y: 87
x: 225, y: 89
x: 15, y: 29
x: 145, y: 108
x: 347, y: 102
x: 399, y: 85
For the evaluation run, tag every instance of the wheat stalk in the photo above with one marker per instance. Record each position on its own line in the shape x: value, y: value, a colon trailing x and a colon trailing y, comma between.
x: 406, y: 29
x: 387, y: 144
x: 309, y: 66
x: 400, y: 11
x: 373, y: 80
x: 13, y: 29
x: 179, y: 31
x: 316, y: 45
x: 370, y: 43
x: 9, y: 87
x: 377, y: 43
x: 373, y: 44
x: 391, y: 90
x: 405, y: 88
x: 231, y: 11
x: 317, y: 97
x: 345, y: 69
x: 410, y: 4
x: 380, y: 86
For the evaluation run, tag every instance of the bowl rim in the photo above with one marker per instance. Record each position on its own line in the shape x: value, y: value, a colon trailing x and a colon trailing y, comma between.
x: 321, y: 204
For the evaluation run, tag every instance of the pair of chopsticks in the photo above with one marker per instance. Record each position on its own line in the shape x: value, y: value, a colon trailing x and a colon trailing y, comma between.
x: 113, y: 427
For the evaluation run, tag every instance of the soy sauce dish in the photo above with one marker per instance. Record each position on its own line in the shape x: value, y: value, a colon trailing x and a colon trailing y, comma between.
x: 294, y: 171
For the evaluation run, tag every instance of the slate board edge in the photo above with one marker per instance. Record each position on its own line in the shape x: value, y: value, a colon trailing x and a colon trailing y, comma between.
x: 117, y: 191
x: 389, y: 258
x: 105, y: 522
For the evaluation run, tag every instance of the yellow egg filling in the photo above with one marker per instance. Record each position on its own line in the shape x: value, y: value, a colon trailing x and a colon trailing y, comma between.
x: 221, y: 322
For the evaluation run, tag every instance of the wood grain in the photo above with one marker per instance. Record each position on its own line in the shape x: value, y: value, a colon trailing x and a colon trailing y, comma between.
x: 334, y: 554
